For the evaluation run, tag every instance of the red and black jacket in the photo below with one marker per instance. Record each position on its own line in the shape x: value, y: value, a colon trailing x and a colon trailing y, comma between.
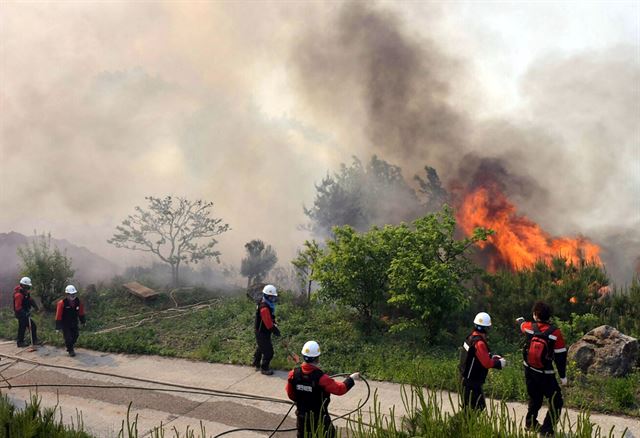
x: 311, y: 389
x: 68, y: 313
x: 265, y: 319
x: 559, y: 348
x: 22, y: 302
x: 476, y: 359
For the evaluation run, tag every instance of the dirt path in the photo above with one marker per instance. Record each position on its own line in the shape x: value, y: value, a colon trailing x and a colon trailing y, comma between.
x: 103, y: 410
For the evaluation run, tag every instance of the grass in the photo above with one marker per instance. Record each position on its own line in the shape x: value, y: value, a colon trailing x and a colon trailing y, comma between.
x: 223, y: 333
x: 36, y: 421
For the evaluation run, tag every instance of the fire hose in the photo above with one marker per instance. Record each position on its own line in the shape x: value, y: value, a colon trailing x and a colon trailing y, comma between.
x: 173, y: 388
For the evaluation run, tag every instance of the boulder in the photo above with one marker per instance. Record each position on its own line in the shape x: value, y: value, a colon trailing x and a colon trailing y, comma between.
x: 605, y: 351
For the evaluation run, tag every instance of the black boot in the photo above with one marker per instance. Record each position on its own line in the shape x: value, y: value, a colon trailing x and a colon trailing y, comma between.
x: 72, y: 353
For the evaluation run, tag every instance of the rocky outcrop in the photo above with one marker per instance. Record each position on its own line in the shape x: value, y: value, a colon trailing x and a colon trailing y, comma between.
x: 605, y: 351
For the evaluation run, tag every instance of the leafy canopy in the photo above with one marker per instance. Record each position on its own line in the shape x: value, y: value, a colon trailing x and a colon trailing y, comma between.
x: 421, y: 269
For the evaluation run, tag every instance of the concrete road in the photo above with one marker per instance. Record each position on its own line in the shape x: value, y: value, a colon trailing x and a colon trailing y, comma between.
x: 102, y: 411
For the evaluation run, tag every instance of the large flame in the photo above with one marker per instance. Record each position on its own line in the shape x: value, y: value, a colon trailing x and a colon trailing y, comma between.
x: 518, y: 242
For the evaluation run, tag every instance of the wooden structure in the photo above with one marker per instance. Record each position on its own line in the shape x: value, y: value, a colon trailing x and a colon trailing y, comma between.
x: 140, y: 290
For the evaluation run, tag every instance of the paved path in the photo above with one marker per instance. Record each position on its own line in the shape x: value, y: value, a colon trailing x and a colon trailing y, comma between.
x: 103, y: 410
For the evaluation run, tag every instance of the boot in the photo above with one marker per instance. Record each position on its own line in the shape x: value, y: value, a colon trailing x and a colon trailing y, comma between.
x: 267, y: 372
x: 72, y: 353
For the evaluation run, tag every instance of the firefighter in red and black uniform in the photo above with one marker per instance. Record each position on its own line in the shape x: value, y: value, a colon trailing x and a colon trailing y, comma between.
x: 541, y: 379
x: 22, y: 305
x: 68, y: 312
x: 311, y: 389
x: 265, y: 325
x: 475, y: 361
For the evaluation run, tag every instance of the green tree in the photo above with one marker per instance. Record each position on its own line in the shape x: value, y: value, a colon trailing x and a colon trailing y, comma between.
x: 430, y: 268
x: 259, y: 261
x: 304, y: 264
x: 353, y: 269
x: 176, y: 230
x: 49, y: 269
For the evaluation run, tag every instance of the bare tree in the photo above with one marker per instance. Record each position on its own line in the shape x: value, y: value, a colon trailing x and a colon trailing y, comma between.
x: 176, y: 230
x: 259, y: 261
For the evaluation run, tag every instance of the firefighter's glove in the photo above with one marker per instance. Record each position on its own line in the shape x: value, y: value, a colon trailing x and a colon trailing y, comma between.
x: 520, y: 320
x: 563, y: 381
x: 276, y: 331
x: 355, y: 376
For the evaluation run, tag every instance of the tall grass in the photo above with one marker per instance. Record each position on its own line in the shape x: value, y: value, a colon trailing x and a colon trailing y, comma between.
x: 37, y: 421
x: 426, y: 417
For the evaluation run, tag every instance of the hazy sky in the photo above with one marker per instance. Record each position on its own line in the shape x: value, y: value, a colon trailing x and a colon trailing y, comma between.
x: 248, y: 104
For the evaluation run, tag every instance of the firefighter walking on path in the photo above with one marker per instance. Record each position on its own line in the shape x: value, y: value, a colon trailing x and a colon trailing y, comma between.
x: 69, y: 311
x: 265, y: 325
x: 22, y: 305
x: 544, y: 346
x: 475, y: 361
x: 311, y: 388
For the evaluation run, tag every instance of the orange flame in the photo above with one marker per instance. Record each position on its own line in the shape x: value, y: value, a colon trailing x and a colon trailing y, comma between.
x: 518, y: 241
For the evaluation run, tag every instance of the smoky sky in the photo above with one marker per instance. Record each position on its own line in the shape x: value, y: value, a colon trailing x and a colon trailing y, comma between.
x: 248, y: 105
x: 570, y: 161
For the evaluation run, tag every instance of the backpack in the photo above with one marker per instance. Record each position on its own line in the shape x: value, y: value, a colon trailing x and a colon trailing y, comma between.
x: 538, y: 351
x: 466, y: 358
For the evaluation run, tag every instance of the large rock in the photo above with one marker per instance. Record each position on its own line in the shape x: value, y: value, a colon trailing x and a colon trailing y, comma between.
x: 605, y: 351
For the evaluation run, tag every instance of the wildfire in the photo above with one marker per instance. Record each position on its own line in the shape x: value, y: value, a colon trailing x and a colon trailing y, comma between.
x: 518, y: 242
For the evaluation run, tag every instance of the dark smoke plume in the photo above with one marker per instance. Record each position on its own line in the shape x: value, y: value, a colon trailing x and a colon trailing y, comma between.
x: 560, y: 162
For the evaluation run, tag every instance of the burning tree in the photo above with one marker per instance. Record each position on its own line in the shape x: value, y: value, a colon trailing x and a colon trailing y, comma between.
x: 176, y: 230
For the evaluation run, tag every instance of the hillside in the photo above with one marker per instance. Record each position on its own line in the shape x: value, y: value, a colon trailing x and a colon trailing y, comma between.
x: 89, y: 266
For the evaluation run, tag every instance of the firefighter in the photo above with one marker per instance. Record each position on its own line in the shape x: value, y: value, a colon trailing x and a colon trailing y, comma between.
x: 545, y: 345
x: 311, y: 388
x: 22, y: 305
x: 265, y: 325
x: 475, y: 361
x: 68, y: 311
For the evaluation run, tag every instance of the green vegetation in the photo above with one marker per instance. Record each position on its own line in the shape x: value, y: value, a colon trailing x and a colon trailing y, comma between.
x: 222, y: 331
x: 36, y: 421
x: 49, y: 268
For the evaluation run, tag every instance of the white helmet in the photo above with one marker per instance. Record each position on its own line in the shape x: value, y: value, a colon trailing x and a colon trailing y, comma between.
x: 270, y: 290
x: 311, y: 349
x: 71, y: 290
x: 482, y: 319
x: 25, y: 281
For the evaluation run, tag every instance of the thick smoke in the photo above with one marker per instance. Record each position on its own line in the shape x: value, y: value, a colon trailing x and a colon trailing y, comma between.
x: 364, y: 66
x: 249, y: 105
x: 570, y: 162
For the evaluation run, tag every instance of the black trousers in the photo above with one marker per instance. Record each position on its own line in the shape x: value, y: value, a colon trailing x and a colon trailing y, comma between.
x: 264, y: 350
x: 473, y: 396
x: 70, y: 334
x: 308, y: 426
x: 23, y: 323
x: 540, y: 386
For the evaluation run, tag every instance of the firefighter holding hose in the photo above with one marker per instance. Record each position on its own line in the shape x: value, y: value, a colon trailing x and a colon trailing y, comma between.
x: 311, y: 388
